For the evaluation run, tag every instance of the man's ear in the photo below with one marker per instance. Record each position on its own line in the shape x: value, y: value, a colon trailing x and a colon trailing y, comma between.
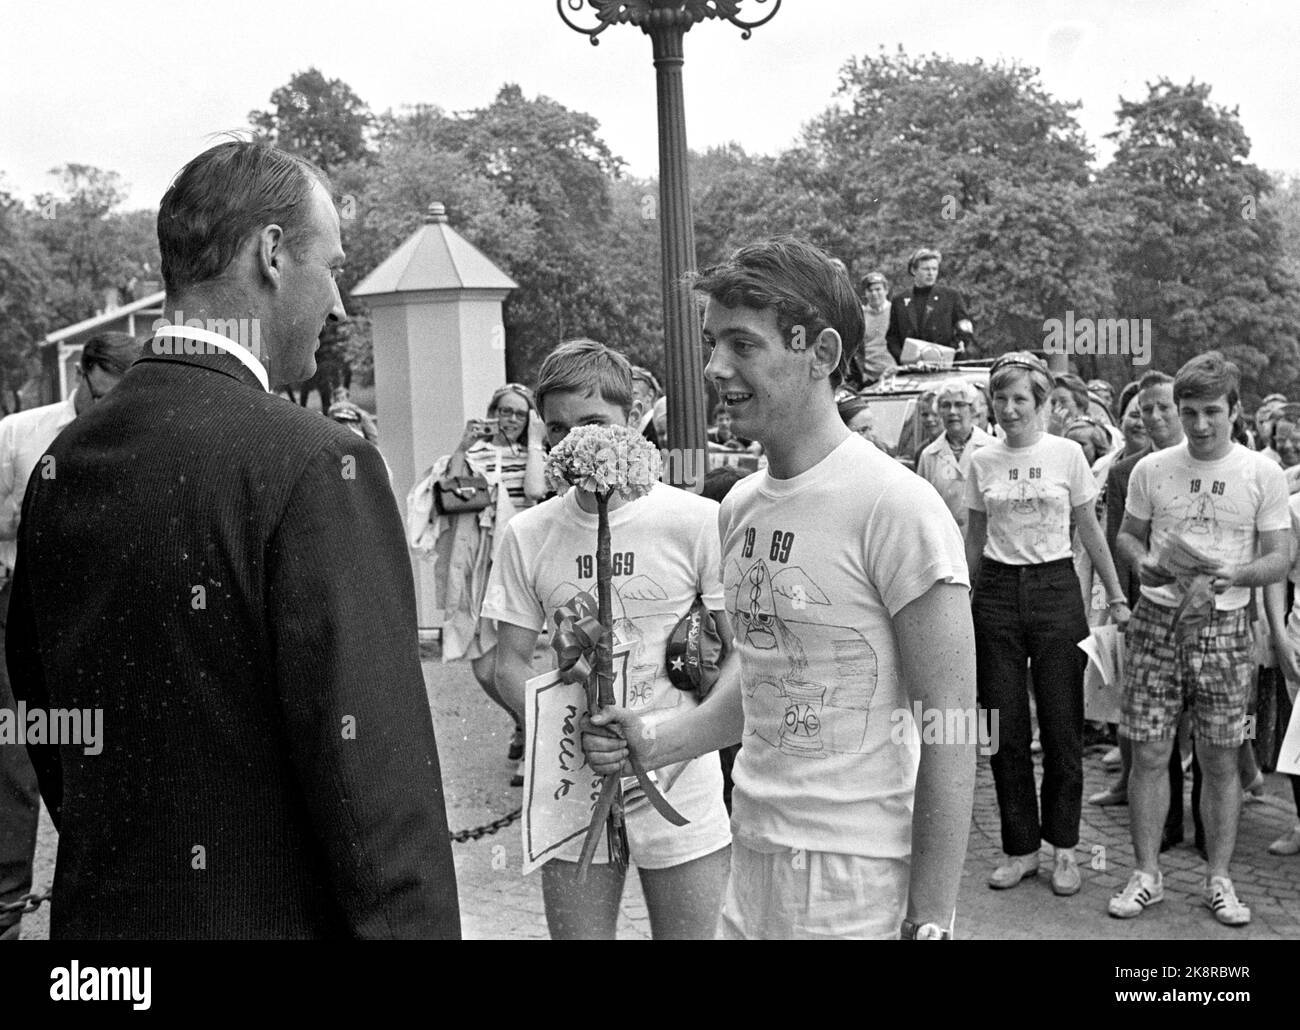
x: 635, y: 413
x: 270, y: 244
x: 827, y: 351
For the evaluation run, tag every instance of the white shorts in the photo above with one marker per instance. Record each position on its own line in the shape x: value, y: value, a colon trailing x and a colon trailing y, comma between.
x: 655, y: 843
x: 813, y: 895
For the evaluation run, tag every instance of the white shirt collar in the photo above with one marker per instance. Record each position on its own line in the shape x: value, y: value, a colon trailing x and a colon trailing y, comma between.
x: 189, y: 332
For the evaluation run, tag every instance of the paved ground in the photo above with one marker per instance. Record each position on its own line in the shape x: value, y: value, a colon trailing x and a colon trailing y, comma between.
x: 496, y: 902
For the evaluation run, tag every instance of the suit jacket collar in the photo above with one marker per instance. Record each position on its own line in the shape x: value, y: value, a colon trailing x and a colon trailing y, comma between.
x: 171, y: 350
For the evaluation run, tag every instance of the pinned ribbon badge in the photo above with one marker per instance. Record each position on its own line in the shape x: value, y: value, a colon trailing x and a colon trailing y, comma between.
x: 577, y: 632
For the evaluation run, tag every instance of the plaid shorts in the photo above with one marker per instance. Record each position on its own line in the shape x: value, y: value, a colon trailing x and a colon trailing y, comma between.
x: 1210, y: 676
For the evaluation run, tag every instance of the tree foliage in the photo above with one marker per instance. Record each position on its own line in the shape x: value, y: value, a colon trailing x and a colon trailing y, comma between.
x: 1201, y: 252
x: 316, y: 118
x: 973, y: 158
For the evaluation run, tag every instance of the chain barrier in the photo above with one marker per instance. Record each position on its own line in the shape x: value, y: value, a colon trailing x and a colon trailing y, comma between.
x: 27, y: 903
x: 487, y: 829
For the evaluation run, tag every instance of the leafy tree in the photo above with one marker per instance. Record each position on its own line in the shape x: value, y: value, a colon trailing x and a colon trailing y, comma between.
x: 25, y: 286
x: 738, y: 198
x: 317, y: 118
x: 91, y: 246
x: 930, y: 150
x: 1201, y: 253
x: 529, y: 182
x: 1284, y: 202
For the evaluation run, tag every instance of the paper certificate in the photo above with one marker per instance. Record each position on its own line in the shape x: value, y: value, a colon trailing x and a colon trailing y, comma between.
x: 560, y: 789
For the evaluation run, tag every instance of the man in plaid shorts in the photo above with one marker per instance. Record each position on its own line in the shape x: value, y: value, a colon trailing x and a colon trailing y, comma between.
x: 1210, y: 497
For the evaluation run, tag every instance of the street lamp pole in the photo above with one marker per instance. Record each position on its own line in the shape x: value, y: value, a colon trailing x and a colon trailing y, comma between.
x: 666, y: 22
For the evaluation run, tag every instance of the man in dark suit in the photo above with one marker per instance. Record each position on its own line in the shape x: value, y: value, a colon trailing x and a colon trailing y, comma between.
x: 928, y: 312
x: 224, y: 575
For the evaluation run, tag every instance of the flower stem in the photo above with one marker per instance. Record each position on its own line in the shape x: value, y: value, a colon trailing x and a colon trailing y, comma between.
x: 604, y: 599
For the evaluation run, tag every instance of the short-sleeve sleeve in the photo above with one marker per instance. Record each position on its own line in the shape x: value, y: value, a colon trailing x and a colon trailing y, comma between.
x: 510, y: 596
x: 974, y: 490
x: 1274, y: 510
x: 1138, y: 503
x: 1082, y: 483
x: 913, y: 543
x: 708, y: 565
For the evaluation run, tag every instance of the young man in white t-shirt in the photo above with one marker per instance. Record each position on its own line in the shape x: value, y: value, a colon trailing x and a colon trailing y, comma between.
x: 665, y: 554
x: 846, y: 582
x: 1230, y: 505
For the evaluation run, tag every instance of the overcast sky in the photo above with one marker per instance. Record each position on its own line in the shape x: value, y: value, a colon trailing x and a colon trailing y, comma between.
x: 137, y: 86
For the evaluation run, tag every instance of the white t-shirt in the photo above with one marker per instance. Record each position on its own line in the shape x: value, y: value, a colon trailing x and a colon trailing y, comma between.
x: 1028, y: 493
x: 1220, y: 507
x: 664, y: 550
x: 815, y: 568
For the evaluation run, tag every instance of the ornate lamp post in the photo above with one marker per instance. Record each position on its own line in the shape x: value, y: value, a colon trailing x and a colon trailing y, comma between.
x: 666, y: 22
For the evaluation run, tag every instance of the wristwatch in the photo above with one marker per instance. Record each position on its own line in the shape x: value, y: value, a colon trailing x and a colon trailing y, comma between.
x: 923, y: 932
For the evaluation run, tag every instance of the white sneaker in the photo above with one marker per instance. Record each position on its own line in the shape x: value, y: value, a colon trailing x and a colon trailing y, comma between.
x: 1141, y: 892
x: 1288, y: 845
x: 1221, y: 898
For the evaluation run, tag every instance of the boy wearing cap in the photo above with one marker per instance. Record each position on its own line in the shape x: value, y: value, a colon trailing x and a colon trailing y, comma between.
x: 665, y: 556
x: 846, y: 581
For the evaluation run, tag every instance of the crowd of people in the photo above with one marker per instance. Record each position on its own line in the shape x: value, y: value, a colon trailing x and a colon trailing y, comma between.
x: 227, y: 576
x: 1037, y: 483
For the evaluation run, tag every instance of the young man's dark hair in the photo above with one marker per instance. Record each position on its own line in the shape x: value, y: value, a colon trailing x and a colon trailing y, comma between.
x: 1207, y: 376
x: 222, y: 196
x: 800, y: 282
x: 113, y: 352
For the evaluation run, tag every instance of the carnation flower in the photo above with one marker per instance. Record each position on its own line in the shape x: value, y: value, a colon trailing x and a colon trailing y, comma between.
x: 602, y: 459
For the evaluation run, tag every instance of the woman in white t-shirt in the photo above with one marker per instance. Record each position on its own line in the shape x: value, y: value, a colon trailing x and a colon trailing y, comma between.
x: 1028, y: 609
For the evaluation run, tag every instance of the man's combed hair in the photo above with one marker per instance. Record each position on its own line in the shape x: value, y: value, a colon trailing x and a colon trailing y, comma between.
x: 220, y: 198
x: 585, y: 367
x: 1153, y: 379
x: 800, y: 281
x: 1207, y: 376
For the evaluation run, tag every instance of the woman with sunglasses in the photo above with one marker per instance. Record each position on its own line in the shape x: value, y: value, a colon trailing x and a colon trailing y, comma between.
x: 508, y: 450
x: 1021, y: 492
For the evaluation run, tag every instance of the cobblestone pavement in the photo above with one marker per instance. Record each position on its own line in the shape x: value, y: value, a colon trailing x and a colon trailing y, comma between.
x: 496, y: 902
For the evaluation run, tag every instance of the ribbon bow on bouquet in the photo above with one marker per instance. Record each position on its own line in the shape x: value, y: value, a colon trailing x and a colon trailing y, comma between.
x: 602, y: 460
x: 1194, y: 571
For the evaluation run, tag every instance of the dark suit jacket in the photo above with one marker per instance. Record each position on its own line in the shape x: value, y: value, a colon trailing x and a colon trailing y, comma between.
x: 1116, y: 497
x: 225, y: 575
x: 937, y: 323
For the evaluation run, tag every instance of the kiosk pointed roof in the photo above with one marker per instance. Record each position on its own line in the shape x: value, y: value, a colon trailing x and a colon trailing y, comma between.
x: 435, y: 257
